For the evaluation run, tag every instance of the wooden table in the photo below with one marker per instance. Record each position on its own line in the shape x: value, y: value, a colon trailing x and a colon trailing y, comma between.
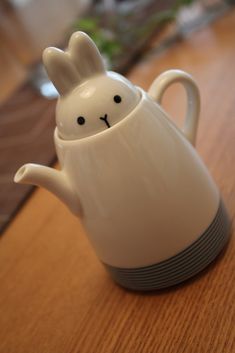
x: 56, y: 297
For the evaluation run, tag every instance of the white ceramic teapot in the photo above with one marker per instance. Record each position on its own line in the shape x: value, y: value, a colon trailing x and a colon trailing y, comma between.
x: 150, y: 208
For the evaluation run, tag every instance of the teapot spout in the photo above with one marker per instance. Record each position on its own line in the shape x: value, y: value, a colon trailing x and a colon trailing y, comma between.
x: 51, y: 179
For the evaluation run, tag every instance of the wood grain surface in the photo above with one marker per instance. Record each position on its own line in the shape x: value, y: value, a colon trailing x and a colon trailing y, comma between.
x: 56, y: 297
x: 26, y: 135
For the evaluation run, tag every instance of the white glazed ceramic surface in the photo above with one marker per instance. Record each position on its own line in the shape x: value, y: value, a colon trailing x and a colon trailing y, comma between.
x: 87, y: 101
x: 94, y: 102
x: 145, y: 194
x: 134, y: 178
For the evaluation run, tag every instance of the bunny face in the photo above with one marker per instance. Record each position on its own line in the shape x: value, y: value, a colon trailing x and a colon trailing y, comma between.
x: 96, y: 105
x: 91, y: 99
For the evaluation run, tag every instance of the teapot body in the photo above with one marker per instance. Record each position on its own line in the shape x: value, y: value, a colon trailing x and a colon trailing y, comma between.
x: 146, y: 195
x: 151, y: 210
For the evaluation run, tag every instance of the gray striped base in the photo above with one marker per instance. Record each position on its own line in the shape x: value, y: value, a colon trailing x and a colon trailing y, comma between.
x: 181, y: 266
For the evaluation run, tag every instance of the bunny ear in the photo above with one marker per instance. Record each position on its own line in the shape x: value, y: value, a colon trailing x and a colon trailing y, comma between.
x: 60, y: 70
x: 85, y: 55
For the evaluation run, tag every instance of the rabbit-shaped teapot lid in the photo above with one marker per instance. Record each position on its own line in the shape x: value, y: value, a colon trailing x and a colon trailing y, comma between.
x: 91, y: 98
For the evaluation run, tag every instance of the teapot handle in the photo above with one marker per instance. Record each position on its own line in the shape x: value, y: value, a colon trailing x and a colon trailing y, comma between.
x: 162, y: 82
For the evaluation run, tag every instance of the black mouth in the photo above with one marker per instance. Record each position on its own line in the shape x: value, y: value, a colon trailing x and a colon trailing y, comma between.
x: 105, y: 119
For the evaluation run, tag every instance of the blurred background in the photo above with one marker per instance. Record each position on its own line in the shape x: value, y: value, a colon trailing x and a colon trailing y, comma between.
x: 124, y: 30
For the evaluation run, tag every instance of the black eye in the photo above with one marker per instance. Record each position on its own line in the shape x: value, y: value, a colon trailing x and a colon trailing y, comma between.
x: 117, y: 99
x: 81, y: 120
